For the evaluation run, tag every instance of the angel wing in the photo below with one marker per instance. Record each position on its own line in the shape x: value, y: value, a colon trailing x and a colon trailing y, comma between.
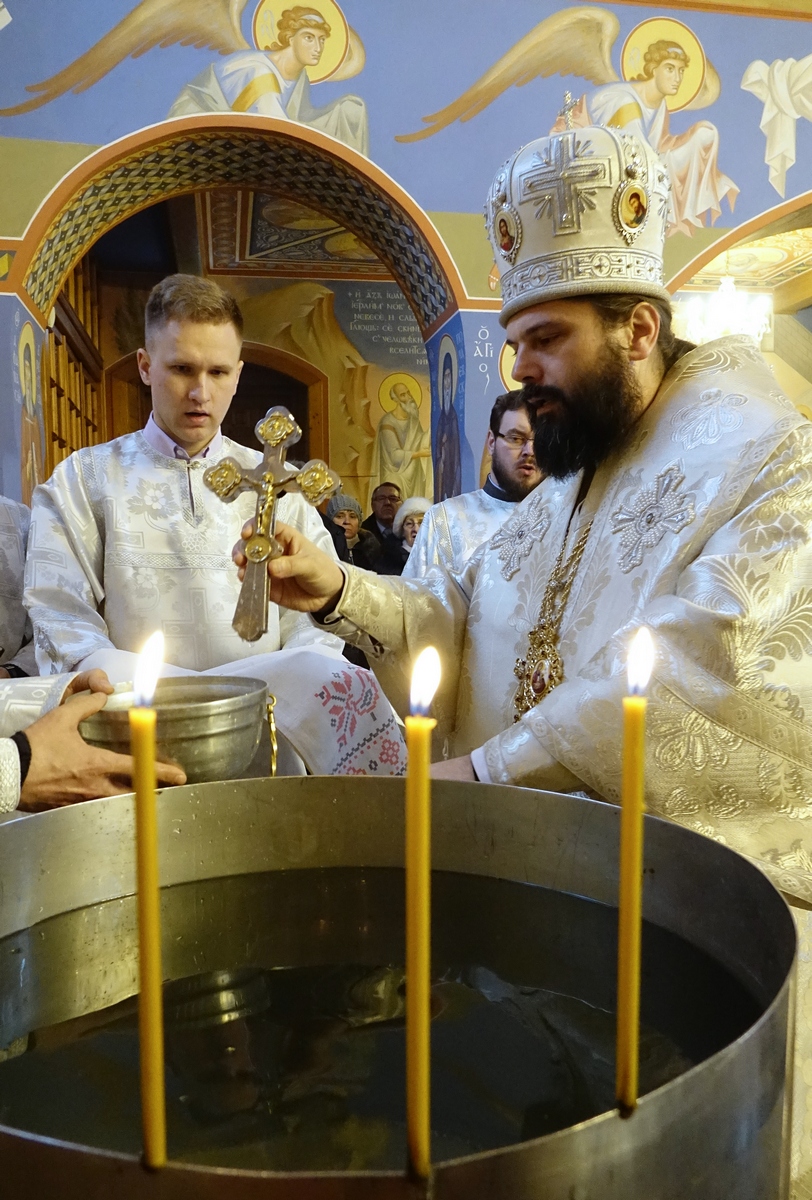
x: 575, y: 41
x: 204, y: 24
x: 354, y: 58
x: 710, y: 90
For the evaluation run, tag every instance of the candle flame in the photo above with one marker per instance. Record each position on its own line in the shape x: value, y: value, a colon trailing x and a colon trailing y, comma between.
x: 148, y: 669
x: 425, y: 681
x: 641, y: 660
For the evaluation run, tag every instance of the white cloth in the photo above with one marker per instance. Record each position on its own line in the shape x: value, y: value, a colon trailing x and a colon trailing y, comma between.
x: 701, y: 530
x: 452, y: 530
x: 125, y: 540
x: 785, y: 89
x: 250, y: 82
x: 697, y: 185
x: 16, y: 647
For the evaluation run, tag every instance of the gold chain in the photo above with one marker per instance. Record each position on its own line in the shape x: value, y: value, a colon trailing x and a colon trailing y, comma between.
x: 272, y: 732
x: 543, y: 669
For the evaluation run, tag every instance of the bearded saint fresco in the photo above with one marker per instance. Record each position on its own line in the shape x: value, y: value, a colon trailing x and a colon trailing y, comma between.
x: 402, y: 453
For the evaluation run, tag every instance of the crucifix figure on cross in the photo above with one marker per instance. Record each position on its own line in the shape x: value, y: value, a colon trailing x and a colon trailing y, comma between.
x: 228, y: 479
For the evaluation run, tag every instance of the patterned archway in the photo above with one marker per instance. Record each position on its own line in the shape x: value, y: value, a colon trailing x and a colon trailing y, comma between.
x: 184, y: 156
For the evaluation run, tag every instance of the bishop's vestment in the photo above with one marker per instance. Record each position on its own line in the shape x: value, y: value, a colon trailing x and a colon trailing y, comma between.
x: 702, y: 530
x: 126, y: 540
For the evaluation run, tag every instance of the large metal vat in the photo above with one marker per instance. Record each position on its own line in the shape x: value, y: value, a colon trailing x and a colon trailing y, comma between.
x: 712, y: 1133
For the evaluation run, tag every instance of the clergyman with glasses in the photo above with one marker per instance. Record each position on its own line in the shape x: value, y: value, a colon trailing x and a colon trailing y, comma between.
x: 452, y: 530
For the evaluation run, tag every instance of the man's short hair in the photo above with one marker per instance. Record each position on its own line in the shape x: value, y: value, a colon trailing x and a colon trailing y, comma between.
x: 190, y: 298
x: 510, y: 402
x: 385, y: 483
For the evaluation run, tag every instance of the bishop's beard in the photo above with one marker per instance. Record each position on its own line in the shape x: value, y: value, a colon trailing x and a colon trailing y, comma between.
x: 588, y: 422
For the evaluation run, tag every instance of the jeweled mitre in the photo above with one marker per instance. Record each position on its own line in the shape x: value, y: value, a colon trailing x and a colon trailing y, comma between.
x: 582, y: 211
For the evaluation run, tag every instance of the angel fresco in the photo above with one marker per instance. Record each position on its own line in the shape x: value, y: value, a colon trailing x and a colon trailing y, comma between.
x: 664, y: 70
x: 293, y: 48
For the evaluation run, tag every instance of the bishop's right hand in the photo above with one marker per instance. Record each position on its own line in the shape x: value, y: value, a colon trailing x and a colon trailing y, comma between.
x: 302, y: 577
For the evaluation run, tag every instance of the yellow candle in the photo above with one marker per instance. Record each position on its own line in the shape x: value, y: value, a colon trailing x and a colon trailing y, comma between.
x: 630, y: 903
x: 150, y: 1000
x: 425, y: 679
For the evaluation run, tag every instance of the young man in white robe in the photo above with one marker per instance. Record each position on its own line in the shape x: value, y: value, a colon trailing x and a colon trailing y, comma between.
x: 677, y: 495
x: 453, y: 529
x: 125, y: 539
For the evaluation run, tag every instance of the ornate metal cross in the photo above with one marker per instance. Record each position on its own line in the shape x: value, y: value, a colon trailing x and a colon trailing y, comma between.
x: 227, y: 479
x: 566, y: 111
x: 565, y: 181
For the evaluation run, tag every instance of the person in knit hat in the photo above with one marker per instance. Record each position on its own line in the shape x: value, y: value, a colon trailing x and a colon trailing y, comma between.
x: 363, y: 548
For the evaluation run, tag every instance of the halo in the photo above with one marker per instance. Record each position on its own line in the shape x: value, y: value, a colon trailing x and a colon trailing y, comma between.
x: 507, y: 357
x: 385, y: 400
x: 335, y: 48
x: 666, y: 29
x: 27, y: 339
x: 447, y: 346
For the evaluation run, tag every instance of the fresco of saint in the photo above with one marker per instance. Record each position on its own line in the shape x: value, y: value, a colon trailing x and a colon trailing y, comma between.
x: 448, y: 465
x: 402, y: 452
x: 31, y: 471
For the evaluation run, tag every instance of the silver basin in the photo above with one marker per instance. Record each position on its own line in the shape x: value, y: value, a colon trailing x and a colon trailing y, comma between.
x: 210, y: 724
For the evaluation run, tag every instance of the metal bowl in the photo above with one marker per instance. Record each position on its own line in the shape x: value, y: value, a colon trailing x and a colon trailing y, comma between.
x: 210, y: 724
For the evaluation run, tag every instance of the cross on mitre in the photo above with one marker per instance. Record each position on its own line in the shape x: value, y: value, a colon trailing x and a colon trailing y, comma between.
x: 228, y: 479
x: 564, y: 180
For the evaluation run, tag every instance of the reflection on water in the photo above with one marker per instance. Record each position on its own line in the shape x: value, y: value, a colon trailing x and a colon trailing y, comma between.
x: 302, y: 1067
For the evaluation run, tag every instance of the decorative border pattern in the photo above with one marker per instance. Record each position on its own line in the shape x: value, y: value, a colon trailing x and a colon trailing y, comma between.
x: 588, y: 267
x: 283, y: 165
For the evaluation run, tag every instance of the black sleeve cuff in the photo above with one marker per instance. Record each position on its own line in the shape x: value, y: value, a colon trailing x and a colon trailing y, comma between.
x: 23, y: 745
x: 15, y: 672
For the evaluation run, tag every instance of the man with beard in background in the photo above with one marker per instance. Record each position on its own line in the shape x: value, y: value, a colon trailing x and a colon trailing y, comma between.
x: 452, y: 530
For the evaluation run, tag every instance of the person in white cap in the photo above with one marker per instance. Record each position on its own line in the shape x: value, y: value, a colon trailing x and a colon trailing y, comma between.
x: 678, y: 495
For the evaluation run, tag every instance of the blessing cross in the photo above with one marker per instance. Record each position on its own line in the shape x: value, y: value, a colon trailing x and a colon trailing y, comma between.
x: 228, y: 479
x: 565, y: 180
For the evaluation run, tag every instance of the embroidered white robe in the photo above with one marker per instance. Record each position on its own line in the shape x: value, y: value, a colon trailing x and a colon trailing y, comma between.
x: 125, y: 540
x: 16, y: 647
x: 452, y: 530
x: 702, y: 530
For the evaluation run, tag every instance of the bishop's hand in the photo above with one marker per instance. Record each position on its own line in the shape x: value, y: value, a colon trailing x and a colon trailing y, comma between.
x: 302, y: 577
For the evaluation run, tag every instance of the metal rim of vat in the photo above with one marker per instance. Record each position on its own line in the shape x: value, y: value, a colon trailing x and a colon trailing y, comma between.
x: 713, y: 1133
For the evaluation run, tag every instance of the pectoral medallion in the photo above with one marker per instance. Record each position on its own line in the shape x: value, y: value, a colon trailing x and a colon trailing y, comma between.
x: 542, y: 668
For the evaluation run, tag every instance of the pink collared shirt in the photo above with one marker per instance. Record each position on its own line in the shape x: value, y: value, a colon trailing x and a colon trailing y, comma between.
x: 161, y: 442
